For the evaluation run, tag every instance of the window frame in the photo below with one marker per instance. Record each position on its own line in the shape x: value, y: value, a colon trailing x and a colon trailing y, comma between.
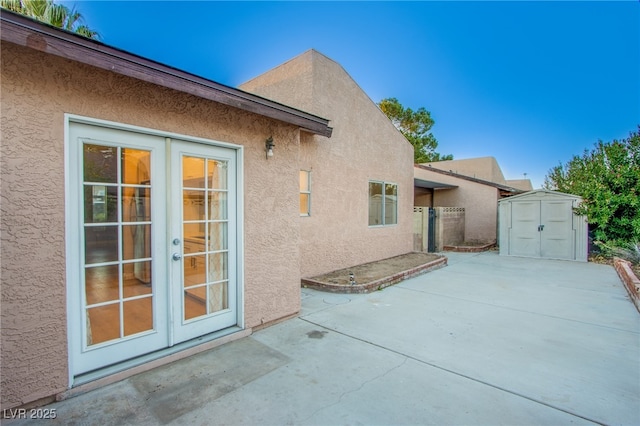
x: 383, y: 203
x: 307, y: 192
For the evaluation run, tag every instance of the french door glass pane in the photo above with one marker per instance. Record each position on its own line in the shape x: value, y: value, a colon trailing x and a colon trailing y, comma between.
x: 193, y: 204
x: 136, y: 241
x: 217, y: 236
x: 138, y: 316
x: 100, y: 203
x: 218, y: 298
x: 103, y: 323
x: 195, y: 303
x: 193, y: 172
x: 100, y: 244
x: 135, y: 166
x: 218, y: 267
x: 101, y: 284
x: 217, y: 205
x: 135, y: 204
x: 205, y: 261
x: 117, y: 241
x: 137, y: 279
x: 217, y: 173
x: 100, y: 163
x: 194, y: 270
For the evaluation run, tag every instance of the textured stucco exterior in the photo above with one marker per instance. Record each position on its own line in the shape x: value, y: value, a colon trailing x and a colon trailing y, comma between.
x: 37, y: 90
x: 480, y: 202
x: 521, y: 184
x: 364, y: 146
x: 485, y: 168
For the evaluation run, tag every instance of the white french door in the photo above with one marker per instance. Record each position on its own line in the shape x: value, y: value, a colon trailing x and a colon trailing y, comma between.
x: 203, y: 233
x: 152, y: 229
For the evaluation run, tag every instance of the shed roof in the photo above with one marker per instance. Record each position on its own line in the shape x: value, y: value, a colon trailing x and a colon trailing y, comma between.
x: 36, y: 35
x: 537, y: 193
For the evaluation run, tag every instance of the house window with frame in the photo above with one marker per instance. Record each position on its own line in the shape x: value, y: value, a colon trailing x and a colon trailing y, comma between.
x: 383, y: 203
x: 305, y: 193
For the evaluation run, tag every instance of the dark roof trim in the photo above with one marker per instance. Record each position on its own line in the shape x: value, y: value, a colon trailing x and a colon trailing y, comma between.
x: 503, y: 188
x: 421, y: 183
x: 27, y: 32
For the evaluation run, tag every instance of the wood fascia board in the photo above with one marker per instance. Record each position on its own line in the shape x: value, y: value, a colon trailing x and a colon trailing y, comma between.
x: 26, y: 32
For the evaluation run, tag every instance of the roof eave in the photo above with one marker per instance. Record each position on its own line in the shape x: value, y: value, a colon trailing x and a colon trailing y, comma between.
x: 26, y: 32
x: 505, y: 189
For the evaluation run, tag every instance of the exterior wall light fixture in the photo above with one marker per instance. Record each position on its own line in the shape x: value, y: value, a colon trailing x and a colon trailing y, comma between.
x: 269, y: 147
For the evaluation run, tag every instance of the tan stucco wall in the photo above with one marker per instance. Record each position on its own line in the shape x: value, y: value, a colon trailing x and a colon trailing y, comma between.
x: 36, y: 91
x: 422, y: 197
x: 364, y: 146
x: 522, y: 184
x: 480, y: 203
x: 485, y: 168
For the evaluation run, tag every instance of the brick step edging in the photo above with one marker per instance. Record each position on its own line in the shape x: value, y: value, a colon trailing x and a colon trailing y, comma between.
x: 631, y: 282
x: 377, y: 284
x: 469, y: 249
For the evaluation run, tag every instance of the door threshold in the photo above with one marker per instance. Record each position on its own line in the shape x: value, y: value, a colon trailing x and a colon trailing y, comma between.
x: 117, y: 372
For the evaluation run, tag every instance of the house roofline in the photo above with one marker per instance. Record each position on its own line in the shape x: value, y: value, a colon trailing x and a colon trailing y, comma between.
x: 506, y: 190
x: 45, y: 38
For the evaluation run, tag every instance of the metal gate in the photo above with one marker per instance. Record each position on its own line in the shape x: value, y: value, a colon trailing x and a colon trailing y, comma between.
x: 424, y: 229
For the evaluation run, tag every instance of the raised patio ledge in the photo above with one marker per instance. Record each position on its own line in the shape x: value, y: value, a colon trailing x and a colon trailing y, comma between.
x: 469, y: 248
x: 377, y: 284
x: 631, y: 282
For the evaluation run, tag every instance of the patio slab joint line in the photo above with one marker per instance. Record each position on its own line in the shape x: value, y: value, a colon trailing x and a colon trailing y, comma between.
x: 454, y: 372
x: 363, y: 384
x: 520, y: 310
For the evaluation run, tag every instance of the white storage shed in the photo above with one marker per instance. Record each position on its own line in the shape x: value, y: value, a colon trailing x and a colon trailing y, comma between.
x: 542, y: 224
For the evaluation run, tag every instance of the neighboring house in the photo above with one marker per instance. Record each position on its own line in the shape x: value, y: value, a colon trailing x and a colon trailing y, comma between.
x: 475, y: 184
x: 346, y: 223
x: 484, y: 168
x: 143, y: 219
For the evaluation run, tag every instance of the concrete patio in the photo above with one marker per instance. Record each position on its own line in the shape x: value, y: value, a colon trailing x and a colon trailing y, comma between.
x: 486, y: 340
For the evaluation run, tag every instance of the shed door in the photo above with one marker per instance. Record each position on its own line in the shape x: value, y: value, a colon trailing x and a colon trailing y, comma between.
x: 524, y: 237
x: 556, y: 234
x: 542, y: 228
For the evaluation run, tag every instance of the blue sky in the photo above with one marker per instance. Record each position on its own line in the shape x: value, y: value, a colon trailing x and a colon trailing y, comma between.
x: 530, y: 83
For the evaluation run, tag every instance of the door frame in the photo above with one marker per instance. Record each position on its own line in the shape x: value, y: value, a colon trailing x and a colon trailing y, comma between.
x: 72, y: 243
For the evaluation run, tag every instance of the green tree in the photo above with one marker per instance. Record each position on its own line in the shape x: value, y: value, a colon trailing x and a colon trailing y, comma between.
x: 608, y: 180
x: 51, y: 13
x: 415, y: 126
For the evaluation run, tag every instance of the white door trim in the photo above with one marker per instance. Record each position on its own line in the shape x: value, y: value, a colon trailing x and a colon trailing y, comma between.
x: 72, y: 242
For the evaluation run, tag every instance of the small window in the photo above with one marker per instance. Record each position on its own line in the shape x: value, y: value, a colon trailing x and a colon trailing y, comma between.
x: 383, y: 203
x: 305, y: 193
